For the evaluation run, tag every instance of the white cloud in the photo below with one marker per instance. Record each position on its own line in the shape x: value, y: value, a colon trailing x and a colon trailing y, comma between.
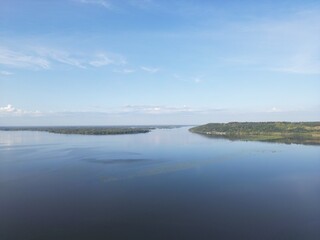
x: 149, y: 69
x: 274, y: 110
x: 103, y: 3
x: 10, y: 110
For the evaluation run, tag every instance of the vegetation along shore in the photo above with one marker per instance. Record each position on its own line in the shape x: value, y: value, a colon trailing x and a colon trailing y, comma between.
x: 83, y: 130
x: 283, y: 132
x: 92, y: 130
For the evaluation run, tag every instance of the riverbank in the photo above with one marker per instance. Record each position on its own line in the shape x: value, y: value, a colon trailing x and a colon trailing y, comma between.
x: 284, y: 132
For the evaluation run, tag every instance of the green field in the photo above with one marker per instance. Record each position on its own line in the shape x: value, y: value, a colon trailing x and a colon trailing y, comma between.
x: 284, y: 132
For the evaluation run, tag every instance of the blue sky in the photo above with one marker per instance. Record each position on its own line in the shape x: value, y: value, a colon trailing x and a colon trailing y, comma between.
x: 106, y: 62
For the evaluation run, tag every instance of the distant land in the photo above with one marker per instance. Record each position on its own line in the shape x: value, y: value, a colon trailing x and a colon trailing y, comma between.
x: 91, y: 130
x: 282, y: 132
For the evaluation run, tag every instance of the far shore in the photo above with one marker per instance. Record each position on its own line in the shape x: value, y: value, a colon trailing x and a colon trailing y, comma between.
x: 282, y: 132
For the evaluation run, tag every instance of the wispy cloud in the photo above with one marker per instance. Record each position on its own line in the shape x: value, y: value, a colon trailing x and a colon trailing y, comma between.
x: 301, y: 63
x: 22, y: 60
x: 102, y: 3
x: 149, y: 69
x: 116, y: 4
x: 60, y: 57
x: 162, y: 109
x: 47, y: 58
x: 102, y: 59
x: 274, y: 110
x: 6, y: 73
x: 196, y: 79
x: 124, y: 71
x: 154, y: 109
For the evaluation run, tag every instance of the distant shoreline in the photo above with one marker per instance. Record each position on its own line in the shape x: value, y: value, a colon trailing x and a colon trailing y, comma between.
x: 282, y: 132
x: 92, y: 130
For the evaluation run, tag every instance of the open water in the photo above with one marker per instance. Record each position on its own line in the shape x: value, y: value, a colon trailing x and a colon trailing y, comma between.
x: 166, y: 184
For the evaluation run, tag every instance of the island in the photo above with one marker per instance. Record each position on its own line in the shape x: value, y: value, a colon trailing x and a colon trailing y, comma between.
x: 282, y: 132
x: 109, y: 130
x: 92, y: 130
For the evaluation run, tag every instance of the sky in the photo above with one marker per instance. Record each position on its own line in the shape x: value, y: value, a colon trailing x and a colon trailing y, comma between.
x: 138, y: 62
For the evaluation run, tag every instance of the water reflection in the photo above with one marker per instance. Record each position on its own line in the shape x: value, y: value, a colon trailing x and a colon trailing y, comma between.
x: 285, y: 139
x: 167, y: 184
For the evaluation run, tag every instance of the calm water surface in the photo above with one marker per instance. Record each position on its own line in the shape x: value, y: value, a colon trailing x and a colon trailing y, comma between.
x: 167, y: 184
